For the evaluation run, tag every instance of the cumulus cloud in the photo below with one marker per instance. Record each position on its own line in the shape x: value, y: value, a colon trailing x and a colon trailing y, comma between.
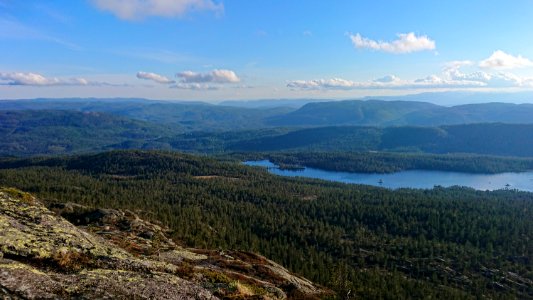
x: 452, y: 71
x: 502, y: 60
x: 189, y: 80
x: 215, y: 76
x: 35, y: 79
x: 451, y: 77
x: 504, y: 79
x: 406, y: 43
x: 154, y: 77
x: 389, y: 82
x: 140, y: 9
x: 195, y: 86
x: 435, y: 81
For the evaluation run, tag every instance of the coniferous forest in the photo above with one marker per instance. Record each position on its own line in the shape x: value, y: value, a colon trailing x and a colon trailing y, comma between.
x: 361, y: 241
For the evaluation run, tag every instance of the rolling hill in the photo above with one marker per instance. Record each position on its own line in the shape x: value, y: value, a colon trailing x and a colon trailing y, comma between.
x: 38, y: 132
x: 188, y: 115
x: 352, y: 112
x: 246, y: 115
x: 387, y: 113
x: 470, y: 113
x: 31, y: 132
x: 487, y: 138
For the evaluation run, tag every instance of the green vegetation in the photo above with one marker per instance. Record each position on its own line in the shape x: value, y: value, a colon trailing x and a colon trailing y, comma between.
x: 187, y: 115
x: 350, y: 112
x: 208, y: 117
x: 387, y: 113
x: 53, y: 132
x: 371, y: 242
x: 370, y: 162
x: 25, y: 133
x: 489, y: 139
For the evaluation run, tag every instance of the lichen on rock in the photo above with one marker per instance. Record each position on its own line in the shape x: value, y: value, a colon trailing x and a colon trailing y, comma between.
x: 72, y: 251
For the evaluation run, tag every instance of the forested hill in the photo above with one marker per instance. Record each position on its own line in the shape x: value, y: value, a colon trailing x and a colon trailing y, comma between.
x: 490, y: 139
x: 32, y: 132
x: 447, y: 243
x: 188, y: 115
x: 354, y: 112
x: 470, y: 113
x: 194, y: 116
x: 38, y: 132
x: 387, y: 113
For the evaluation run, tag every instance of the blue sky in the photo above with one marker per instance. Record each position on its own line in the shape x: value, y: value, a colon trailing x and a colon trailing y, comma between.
x: 215, y: 50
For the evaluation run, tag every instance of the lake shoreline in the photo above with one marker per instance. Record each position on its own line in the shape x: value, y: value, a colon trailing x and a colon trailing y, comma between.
x: 419, y: 179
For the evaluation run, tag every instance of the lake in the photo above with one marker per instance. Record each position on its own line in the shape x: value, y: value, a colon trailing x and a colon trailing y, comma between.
x: 420, y: 179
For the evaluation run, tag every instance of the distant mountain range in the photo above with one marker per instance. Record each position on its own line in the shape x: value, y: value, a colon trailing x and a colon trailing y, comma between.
x: 57, y: 126
x: 351, y: 112
x: 188, y: 115
x: 389, y: 113
x: 194, y: 116
x: 462, y: 97
x: 440, y: 98
x: 265, y: 103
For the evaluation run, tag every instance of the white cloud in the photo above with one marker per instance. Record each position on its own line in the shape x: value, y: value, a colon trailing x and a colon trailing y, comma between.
x: 406, y: 43
x: 511, y: 80
x: 140, y: 9
x: 388, y: 82
x: 194, y: 86
x: 502, y: 60
x: 154, y: 77
x: 35, y: 79
x: 435, y: 81
x: 215, y: 76
x: 451, y: 77
x: 452, y: 71
x: 212, y: 80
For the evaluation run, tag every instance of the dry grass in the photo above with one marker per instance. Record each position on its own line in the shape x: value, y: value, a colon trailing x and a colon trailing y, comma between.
x: 71, y: 260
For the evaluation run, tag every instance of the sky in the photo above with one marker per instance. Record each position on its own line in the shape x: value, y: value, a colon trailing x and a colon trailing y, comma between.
x: 213, y: 50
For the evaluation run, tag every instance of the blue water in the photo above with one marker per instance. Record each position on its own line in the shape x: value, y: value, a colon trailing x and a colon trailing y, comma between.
x: 420, y: 179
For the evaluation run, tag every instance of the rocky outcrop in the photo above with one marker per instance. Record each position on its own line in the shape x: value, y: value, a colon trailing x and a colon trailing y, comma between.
x: 72, y: 251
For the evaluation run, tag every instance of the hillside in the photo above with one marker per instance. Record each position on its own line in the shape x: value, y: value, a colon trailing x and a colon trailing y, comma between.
x: 494, y: 139
x: 31, y: 132
x: 387, y: 113
x: 115, y: 254
x: 376, y: 243
x: 353, y: 112
x: 52, y: 132
x: 489, y: 139
x: 188, y: 115
x: 470, y: 113
x: 247, y: 115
